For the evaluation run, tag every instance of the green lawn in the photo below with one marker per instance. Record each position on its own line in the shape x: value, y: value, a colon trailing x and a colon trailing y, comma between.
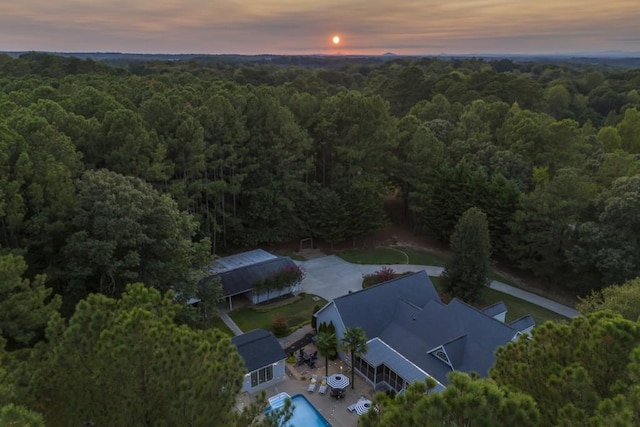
x: 395, y: 255
x: 418, y: 257
x: 379, y: 255
x: 402, y: 255
x: 297, y: 314
x: 219, y: 324
x: 516, y: 307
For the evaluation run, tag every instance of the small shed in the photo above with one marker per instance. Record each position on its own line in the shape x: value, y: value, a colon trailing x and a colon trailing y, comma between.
x: 263, y: 357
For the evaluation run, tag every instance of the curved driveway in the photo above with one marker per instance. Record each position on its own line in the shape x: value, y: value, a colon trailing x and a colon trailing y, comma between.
x: 331, y: 277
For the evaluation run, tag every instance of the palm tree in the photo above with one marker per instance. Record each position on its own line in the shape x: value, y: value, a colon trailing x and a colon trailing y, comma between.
x: 326, y: 343
x: 355, y: 342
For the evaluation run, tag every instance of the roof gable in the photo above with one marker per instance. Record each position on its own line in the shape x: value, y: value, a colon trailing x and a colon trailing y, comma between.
x: 373, y: 308
x: 495, y: 309
x: 523, y: 323
x: 258, y: 349
x: 456, y: 351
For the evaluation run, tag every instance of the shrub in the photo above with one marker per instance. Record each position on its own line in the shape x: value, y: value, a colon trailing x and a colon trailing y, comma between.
x: 383, y: 275
x: 279, y: 326
x: 314, y: 321
x: 284, y: 278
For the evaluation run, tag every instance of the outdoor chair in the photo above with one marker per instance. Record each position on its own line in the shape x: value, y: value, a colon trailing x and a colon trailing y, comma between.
x: 323, y: 386
x: 313, y: 383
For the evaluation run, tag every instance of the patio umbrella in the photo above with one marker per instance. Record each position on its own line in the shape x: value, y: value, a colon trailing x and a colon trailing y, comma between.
x: 362, y: 406
x: 338, y: 381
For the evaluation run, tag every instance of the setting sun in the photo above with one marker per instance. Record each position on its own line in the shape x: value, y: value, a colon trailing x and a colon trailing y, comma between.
x: 336, y: 39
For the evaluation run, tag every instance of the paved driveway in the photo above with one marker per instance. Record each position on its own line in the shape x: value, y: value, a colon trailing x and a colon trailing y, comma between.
x: 331, y: 277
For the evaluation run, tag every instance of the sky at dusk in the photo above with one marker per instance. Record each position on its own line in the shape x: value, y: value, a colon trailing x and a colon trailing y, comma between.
x: 417, y: 27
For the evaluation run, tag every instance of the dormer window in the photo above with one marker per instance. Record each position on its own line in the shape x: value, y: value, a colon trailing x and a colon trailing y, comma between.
x: 441, y: 354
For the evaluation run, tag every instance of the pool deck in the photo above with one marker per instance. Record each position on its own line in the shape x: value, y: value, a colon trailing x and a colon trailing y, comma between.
x: 335, y: 411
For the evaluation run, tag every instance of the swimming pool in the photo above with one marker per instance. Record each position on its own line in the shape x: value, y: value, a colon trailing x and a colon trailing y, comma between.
x: 305, y: 414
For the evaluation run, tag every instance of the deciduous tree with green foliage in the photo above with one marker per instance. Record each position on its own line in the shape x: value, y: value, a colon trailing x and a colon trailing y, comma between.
x: 623, y: 299
x: 546, y: 216
x: 610, y: 242
x: 125, y: 231
x: 465, y: 274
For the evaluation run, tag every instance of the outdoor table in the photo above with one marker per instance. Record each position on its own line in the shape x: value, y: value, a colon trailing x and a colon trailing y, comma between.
x: 338, y: 381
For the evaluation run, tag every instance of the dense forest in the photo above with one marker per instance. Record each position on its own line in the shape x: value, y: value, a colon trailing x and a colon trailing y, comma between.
x: 140, y: 172
x: 234, y: 156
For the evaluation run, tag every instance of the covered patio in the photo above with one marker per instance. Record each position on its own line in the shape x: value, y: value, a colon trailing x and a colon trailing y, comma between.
x: 386, y: 369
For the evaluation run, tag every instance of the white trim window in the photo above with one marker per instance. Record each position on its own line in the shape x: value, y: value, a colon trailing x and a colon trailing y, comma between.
x: 261, y: 376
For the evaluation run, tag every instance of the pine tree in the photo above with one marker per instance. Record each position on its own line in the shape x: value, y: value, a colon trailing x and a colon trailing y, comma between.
x: 465, y: 275
x: 126, y: 362
x: 25, y: 305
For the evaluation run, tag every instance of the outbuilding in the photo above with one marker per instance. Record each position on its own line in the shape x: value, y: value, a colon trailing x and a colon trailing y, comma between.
x: 264, y: 358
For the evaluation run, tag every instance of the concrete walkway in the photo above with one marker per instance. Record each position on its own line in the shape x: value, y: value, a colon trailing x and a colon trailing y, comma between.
x: 331, y: 277
x: 229, y: 322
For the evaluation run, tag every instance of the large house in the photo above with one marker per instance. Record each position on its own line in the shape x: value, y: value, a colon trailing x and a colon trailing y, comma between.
x: 413, y: 335
x: 263, y: 357
x: 241, y: 275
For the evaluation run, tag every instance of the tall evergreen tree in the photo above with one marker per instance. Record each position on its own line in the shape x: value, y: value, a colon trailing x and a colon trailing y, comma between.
x: 584, y: 372
x: 126, y: 362
x: 467, y: 401
x: 465, y: 274
x: 25, y: 307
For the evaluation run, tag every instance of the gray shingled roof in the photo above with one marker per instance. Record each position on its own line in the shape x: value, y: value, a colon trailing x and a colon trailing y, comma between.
x: 258, y: 348
x: 455, y: 351
x: 369, y: 308
x: 523, y: 323
x: 438, y: 324
x: 495, y: 309
x: 408, y: 315
x: 243, y: 279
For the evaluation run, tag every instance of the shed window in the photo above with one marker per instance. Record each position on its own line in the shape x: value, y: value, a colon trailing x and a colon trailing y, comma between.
x: 261, y: 376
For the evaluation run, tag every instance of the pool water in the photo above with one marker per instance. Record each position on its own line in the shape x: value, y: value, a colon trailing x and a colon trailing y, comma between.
x: 305, y: 414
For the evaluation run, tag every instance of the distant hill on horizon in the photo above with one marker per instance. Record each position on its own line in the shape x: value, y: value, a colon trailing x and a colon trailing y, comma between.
x: 608, y: 58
